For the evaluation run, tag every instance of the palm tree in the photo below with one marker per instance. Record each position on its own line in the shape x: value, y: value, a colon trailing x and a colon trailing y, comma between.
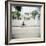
x: 34, y: 13
x: 16, y: 14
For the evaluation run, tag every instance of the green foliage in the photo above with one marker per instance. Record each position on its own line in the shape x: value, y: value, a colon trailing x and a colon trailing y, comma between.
x: 18, y: 8
x: 18, y: 14
x: 34, y: 13
x: 15, y: 13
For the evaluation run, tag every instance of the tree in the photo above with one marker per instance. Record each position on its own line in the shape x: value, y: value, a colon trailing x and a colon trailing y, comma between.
x: 34, y: 13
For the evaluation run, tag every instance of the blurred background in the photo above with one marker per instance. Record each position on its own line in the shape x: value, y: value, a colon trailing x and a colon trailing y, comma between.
x: 25, y: 21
